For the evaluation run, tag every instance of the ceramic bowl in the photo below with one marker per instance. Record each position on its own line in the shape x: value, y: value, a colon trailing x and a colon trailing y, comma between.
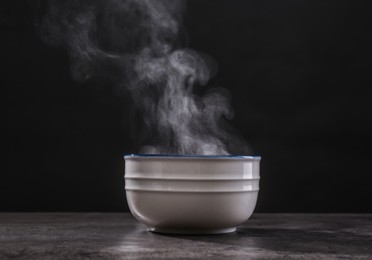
x: 192, y: 194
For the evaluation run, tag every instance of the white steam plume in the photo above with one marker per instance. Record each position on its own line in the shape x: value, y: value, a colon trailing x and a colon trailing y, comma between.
x: 137, y: 41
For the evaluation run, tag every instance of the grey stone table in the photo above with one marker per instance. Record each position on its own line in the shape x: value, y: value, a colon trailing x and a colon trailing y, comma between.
x: 120, y: 236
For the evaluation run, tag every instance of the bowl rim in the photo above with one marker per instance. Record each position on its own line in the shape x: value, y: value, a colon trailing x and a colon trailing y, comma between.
x: 190, y: 156
x: 140, y: 190
x: 140, y: 178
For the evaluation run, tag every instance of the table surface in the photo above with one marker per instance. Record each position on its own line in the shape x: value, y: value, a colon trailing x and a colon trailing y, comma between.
x: 120, y: 236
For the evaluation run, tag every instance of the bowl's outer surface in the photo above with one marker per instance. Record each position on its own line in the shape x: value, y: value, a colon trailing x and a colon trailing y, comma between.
x: 182, y: 211
x: 191, y: 211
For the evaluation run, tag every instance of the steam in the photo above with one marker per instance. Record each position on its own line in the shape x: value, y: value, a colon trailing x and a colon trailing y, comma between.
x: 137, y: 43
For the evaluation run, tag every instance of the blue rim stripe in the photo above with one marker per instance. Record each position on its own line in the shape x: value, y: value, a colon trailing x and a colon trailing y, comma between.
x: 192, y: 156
x: 191, y: 191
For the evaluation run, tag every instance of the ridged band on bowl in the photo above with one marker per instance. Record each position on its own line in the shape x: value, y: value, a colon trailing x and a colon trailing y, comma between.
x: 192, y: 168
x: 192, y: 185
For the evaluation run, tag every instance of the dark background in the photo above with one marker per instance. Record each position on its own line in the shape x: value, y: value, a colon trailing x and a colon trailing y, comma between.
x: 299, y: 73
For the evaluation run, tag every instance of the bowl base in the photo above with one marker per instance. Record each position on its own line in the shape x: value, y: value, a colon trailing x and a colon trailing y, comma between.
x: 192, y: 231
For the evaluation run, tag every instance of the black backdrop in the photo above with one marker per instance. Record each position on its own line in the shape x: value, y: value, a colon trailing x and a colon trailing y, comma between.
x: 299, y: 73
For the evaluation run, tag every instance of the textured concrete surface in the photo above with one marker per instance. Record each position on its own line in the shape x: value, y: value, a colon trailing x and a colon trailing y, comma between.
x: 120, y: 236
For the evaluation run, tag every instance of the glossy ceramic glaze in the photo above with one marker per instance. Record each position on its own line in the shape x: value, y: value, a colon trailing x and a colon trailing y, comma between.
x: 192, y: 194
